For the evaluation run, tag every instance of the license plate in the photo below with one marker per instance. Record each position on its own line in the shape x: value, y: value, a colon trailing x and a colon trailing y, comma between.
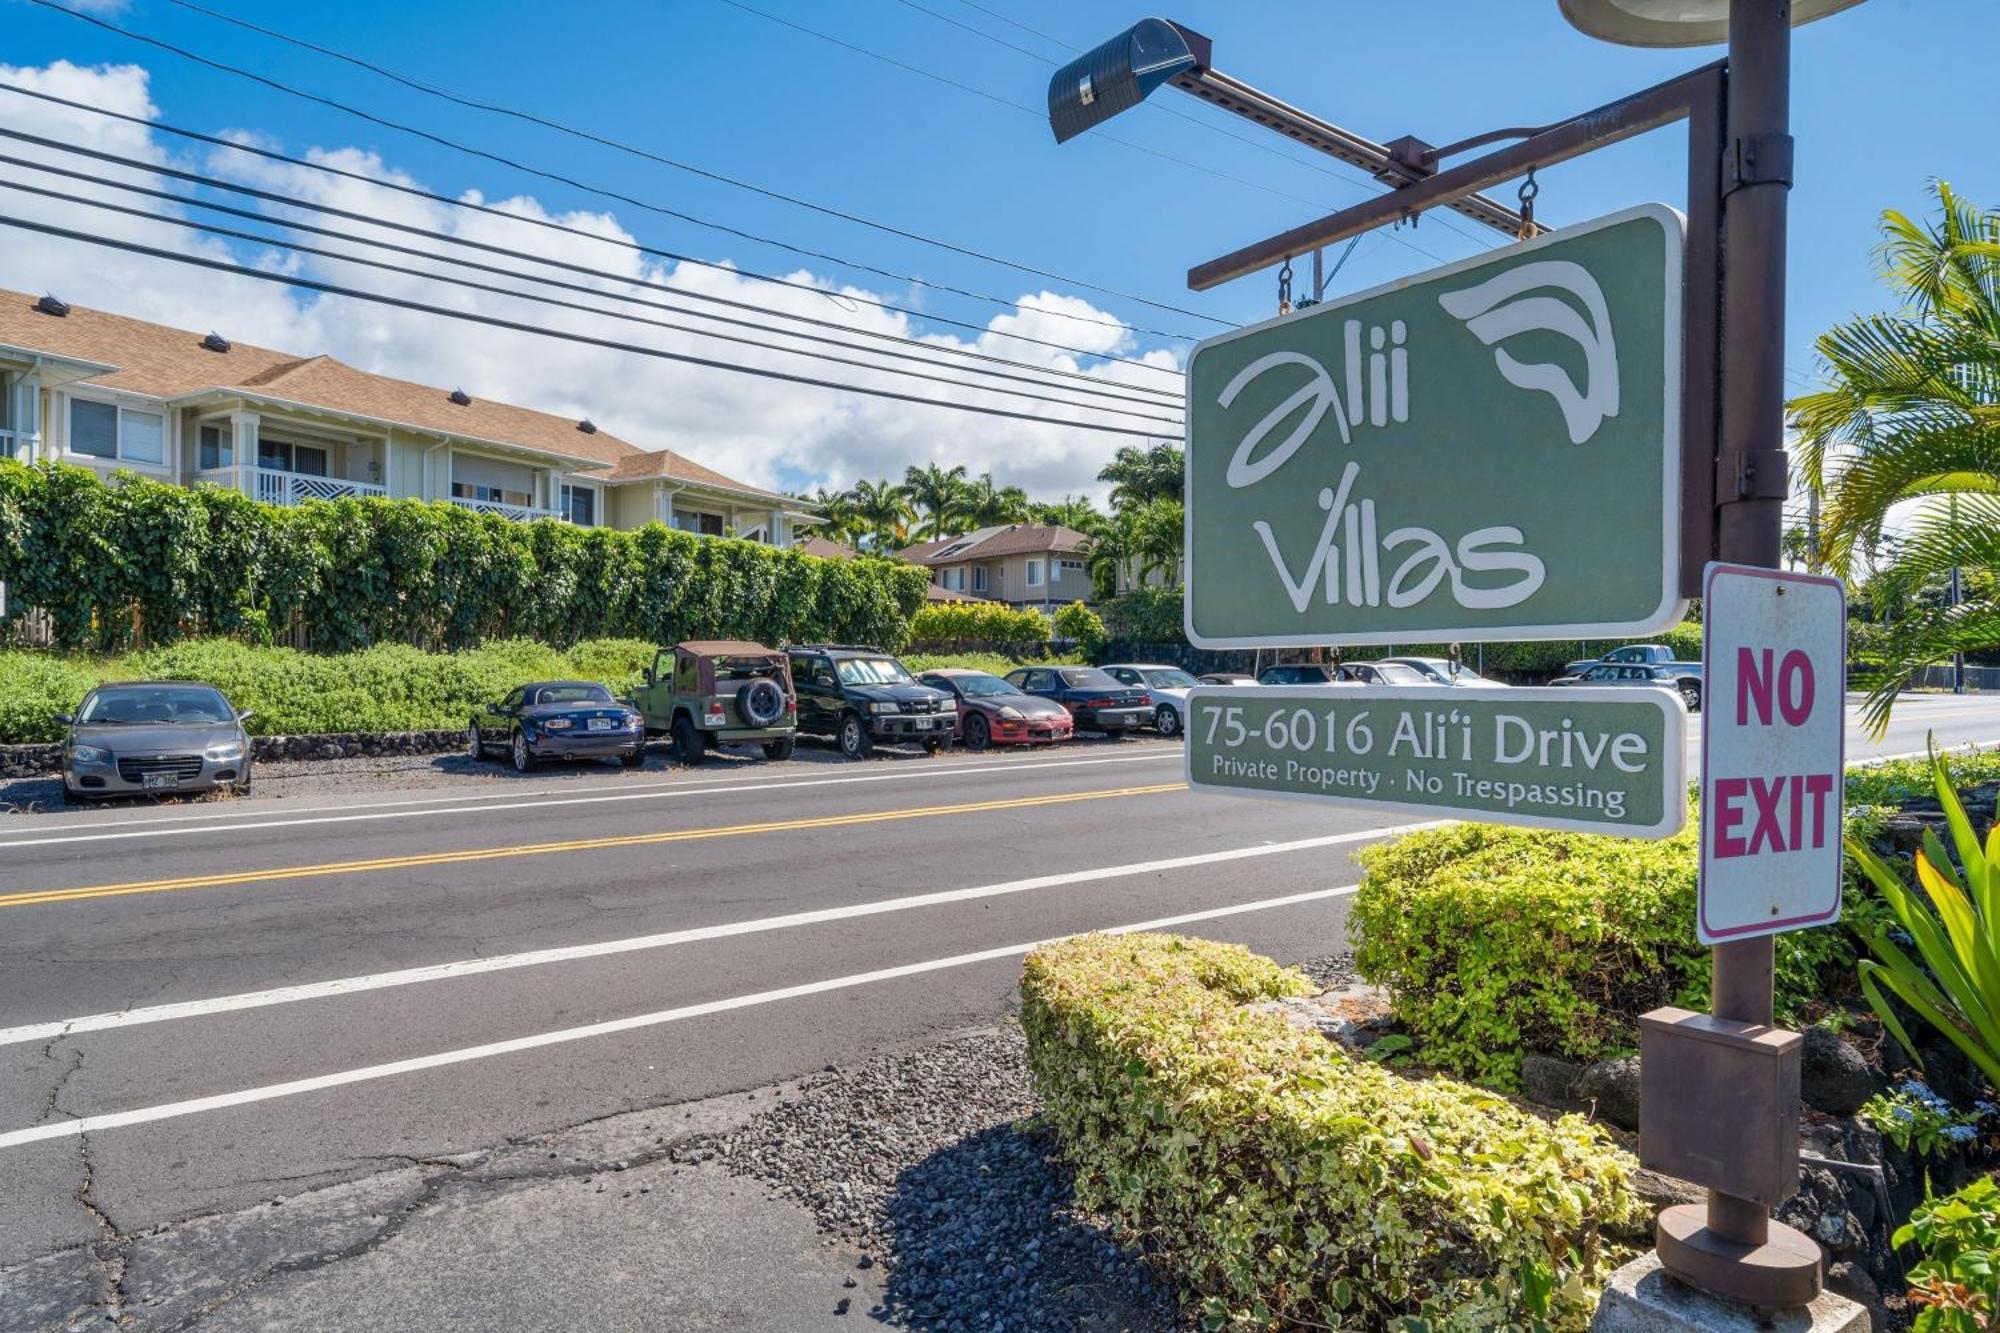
x: 150, y: 781
x: 933, y: 723
x: 600, y: 724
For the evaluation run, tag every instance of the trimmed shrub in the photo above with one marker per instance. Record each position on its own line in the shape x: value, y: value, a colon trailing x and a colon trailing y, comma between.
x: 1080, y: 625
x: 1145, y: 615
x: 993, y: 663
x: 1280, y: 1180
x: 941, y: 624
x: 139, y: 562
x: 34, y: 689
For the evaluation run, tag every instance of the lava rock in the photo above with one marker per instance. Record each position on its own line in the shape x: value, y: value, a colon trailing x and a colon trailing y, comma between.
x: 1833, y: 1076
x: 1550, y: 1081
x: 1613, y: 1087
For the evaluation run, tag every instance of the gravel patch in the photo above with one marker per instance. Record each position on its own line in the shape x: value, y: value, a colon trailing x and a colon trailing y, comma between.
x: 915, y: 1158
x: 1330, y: 970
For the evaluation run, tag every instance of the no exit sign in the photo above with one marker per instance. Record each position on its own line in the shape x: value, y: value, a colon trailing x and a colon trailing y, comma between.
x: 1774, y: 667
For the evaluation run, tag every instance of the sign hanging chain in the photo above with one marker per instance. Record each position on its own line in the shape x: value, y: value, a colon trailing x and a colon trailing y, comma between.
x: 1529, y: 189
x: 1285, y: 287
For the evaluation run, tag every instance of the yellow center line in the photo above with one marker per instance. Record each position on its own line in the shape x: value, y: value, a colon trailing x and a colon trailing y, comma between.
x: 37, y: 896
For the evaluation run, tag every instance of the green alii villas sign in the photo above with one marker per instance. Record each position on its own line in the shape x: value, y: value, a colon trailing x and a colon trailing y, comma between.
x: 1487, y: 451
x: 1546, y: 757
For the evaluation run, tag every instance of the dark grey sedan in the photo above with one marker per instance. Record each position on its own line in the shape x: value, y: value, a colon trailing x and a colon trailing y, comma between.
x: 154, y: 737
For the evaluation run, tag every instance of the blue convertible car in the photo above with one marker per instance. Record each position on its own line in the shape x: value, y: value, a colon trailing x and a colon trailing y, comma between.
x: 559, y: 719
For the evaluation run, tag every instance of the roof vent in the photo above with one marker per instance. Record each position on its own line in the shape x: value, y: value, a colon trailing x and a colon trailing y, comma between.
x: 587, y: 426
x: 461, y: 397
x: 49, y: 305
x: 215, y: 342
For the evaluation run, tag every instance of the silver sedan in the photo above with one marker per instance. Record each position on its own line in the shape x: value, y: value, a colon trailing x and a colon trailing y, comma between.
x: 154, y: 737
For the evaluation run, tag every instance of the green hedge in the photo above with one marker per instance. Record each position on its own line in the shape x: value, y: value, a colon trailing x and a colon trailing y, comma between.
x: 140, y: 562
x: 1280, y: 1181
x: 998, y: 664
x: 945, y: 623
x: 390, y: 687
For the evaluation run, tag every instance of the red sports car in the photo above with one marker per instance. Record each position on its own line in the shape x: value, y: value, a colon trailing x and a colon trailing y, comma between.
x: 992, y: 712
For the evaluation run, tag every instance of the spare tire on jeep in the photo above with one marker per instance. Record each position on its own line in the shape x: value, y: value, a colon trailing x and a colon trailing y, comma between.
x: 761, y: 702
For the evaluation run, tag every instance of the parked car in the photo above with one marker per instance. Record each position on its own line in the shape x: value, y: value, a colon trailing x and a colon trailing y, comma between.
x: 1167, y: 685
x: 154, y: 736
x: 1226, y: 678
x: 1296, y: 673
x: 1094, y: 699
x: 1384, y: 672
x: 558, y: 719
x: 709, y: 692
x: 1626, y: 674
x: 992, y: 712
x: 1445, y: 672
x: 1632, y: 654
x: 859, y: 696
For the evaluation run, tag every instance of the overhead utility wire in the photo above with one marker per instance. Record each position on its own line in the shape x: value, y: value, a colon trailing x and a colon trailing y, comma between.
x: 546, y: 224
x: 515, y: 164
x: 1110, y: 389
x: 461, y: 99
x: 1101, y: 134
x: 516, y: 326
x: 1098, y: 386
x: 216, y: 229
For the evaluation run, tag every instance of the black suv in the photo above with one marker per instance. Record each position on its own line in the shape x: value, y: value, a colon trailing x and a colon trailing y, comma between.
x: 860, y: 695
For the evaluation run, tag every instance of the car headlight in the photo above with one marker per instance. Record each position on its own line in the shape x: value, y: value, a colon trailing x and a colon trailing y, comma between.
x: 889, y: 706
x: 1010, y: 713
x: 226, y: 751
x: 90, y: 754
x: 557, y: 724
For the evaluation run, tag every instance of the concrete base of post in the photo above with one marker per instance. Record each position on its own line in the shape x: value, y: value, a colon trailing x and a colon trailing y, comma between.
x: 1642, y: 1297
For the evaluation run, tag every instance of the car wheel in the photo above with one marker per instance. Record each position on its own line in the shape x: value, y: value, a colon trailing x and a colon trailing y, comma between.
x: 475, y: 749
x: 687, y: 741
x: 855, y: 742
x: 524, y: 758
x: 931, y: 748
x: 1691, y: 696
x: 242, y: 784
x: 978, y: 732
x: 781, y: 748
x: 1167, y: 719
x: 636, y: 758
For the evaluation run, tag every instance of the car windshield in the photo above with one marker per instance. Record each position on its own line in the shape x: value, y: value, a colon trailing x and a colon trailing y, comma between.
x: 572, y: 694
x: 1171, y: 679
x: 1088, y: 678
x: 170, y: 704
x: 1395, y: 673
x: 982, y: 686
x: 872, y: 671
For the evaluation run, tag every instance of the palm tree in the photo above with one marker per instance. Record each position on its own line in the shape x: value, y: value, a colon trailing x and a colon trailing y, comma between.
x: 1113, y: 553
x: 1072, y: 511
x: 843, y: 523
x: 1912, y: 414
x: 884, y: 511
x: 1140, y: 474
x: 939, y: 492
x: 983, y: 504
x: 1160, y: 536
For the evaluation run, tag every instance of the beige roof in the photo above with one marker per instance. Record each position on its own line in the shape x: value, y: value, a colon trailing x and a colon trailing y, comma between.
x: 826, y: 549
x: 165, y: 362
x: 991, y: 543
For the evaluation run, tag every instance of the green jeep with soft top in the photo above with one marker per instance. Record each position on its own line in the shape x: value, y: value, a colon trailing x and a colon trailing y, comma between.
x: 708, y: 692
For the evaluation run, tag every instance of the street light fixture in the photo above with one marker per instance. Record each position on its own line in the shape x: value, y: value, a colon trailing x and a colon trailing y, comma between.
x: 1118, y: 75
x: 1674, y: 22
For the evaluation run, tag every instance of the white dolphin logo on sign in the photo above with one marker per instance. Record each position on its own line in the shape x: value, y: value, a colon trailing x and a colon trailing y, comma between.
x: 1496, y: 309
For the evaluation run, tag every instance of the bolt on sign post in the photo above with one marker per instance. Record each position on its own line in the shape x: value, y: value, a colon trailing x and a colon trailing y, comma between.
x: 1490, y: 450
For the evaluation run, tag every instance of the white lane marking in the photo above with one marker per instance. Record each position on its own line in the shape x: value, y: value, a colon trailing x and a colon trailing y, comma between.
x: 1915, y: 754
x: 93, y: 1124
x: 320, y: 990
x: 532, y: 801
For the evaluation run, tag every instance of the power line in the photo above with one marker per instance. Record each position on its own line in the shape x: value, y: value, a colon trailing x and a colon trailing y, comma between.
x: 560, y: 127
x: 515, y: 164
x: 299, y: 247
x: 1099, y: 388
x: 516, y: 326
x: 546, y: 224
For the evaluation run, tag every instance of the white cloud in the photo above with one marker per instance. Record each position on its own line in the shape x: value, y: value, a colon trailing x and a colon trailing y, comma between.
x: 760, y: 430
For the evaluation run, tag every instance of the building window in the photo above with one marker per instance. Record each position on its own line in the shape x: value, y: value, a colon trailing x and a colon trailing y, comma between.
x: 279, y: 456
x: 580, y: 505
x: 979, y: 578
x: 103, y: 430
x: 1071, y: 567
x: 706, y: 525
x: 1034, y: 573
x: 467, y: 490
x: 215, y: 450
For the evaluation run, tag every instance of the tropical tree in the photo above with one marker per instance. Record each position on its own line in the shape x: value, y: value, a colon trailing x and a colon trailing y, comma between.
x: 1159, y: 537
x: 1113, y: 554
x: 940, y: 493
x: 884, y: 512
x: 1140, y: 474
x: 843, y: 523
x: 1911, y: 416
x: 1072, y: 511
x: 985, y: 504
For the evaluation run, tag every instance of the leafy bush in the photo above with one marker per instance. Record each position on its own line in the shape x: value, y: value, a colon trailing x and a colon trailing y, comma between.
x: 1281, y: 1181
x: 1080, y: 625
x: 1495, y: 942
x: 140, y: 562
x: 944, y: 623
x: 994, y: 663
x: 1145, y: 615
x: 390, y: 687
x: 1955, y: 1287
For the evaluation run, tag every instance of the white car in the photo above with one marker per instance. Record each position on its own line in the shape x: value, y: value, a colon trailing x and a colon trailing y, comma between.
x: 1167, y: 685
x: 1441, y: 670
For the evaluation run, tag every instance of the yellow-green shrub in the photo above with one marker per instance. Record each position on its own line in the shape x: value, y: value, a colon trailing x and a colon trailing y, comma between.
x: 946, y: 623
x: 1282, y: 1181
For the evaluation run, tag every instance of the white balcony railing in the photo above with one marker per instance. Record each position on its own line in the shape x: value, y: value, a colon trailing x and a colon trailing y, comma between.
x: 290, y: 488
x: 15, y: 444
x: 519, y: 513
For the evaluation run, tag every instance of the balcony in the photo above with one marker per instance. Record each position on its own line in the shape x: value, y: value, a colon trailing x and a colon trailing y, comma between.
x: 290, y: 488
x: 16, y: 444
x: 519, y: 513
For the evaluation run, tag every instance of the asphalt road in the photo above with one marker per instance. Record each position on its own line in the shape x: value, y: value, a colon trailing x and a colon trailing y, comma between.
x: 202, y: 1004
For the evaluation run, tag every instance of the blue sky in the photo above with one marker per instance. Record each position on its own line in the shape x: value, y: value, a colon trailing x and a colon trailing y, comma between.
x: 1886, y: 97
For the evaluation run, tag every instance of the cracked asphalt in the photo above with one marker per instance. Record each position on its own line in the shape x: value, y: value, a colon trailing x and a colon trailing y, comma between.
x: 515, y: 1003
